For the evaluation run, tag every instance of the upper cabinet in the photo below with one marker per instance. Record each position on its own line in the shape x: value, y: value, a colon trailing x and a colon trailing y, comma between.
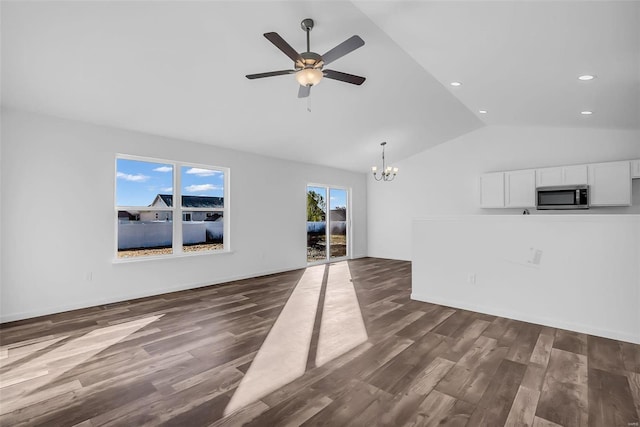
x: 492, y: 190
x: 563, y: 175
x: 635, y: 168
x: 549, y: 176
x: 610, y: 184
x: 520, y: 188
x: 575, y: 175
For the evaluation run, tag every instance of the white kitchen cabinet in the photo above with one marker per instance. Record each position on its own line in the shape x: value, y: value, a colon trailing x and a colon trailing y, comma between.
x: 635, y: 168
x: 549, y: 176
x: 492, y: 190
x: 562, y: 175
x: 520, y: 188
x: 575, y: 175
x: 610, y: 184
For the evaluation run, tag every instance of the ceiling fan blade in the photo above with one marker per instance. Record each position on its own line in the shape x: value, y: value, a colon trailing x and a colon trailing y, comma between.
x: 304, y: 91
x: 344, y: 77
x: 285, y: 47
x: 269, y: 74
x: 349, y: 45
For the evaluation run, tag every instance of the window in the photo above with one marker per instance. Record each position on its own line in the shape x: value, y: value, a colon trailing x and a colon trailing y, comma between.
x: 145, y: 209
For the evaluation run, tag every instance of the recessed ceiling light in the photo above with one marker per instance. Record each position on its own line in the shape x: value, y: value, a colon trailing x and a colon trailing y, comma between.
x: 586, y: 77
x: 482, y: 111
x: 586, y: 113
x: 455, y: 84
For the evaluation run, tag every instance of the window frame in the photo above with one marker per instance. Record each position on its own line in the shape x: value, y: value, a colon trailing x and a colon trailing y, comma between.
x: 177, y: 210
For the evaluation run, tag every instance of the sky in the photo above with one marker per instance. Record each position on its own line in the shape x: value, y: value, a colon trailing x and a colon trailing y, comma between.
x: 138, y: 182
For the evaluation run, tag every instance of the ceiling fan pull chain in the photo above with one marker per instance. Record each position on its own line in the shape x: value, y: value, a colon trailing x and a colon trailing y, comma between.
x: 309, y: 103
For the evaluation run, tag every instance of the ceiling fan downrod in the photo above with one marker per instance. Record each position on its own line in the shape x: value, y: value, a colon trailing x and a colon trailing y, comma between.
x: 307, y: 26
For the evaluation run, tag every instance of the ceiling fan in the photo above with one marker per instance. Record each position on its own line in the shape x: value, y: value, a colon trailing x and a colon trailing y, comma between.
x: 309, y: 66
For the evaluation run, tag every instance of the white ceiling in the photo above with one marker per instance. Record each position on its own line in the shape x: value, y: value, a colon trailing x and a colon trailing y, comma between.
x: 177, y: 69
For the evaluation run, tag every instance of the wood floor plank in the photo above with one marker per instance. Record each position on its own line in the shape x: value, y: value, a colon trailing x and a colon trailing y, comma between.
x: 497, y: 328
x: 470, y: 377
x: 497, y: 400
x: 541, y: 422
x: 564, y: 397
x: 178, y: 358
x: 424, y: 382
x: 394, y: 374
x: 361, y: 367
x: 425, y: 323
x: 295, y: 411
x: 523, y: 409
x: 441, y: 409
x: 534, y: 376
x: 466, y: 339
x: 293, y: 388
x: 634, y: 386
x: 542, y: 350
x: 356, y: 396
x: 631, y: 357
x: 525, y: 342
x: 605, y: 354
x: 455, y: 324
x: 77, y: 409
x: 611, y: 400
x: 394, y: 412
x: 241, y: 418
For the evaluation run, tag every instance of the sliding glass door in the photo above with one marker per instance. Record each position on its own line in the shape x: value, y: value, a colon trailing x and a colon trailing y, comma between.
x: 327, y: 223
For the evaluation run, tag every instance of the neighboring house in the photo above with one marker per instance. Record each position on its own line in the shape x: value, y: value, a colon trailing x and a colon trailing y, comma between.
x: 338, y: 221
x: 166, y: 201
x: 128, y: 216
x: 339, y: 214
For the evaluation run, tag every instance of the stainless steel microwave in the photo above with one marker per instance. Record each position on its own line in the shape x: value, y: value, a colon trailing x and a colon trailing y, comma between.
x: 563, y: 197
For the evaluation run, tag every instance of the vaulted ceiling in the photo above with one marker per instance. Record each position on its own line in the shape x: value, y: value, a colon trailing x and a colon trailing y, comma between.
x: 177, y: 69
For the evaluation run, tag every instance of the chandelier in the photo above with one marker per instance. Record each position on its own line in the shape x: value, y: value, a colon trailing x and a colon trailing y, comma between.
x: 388, y: 173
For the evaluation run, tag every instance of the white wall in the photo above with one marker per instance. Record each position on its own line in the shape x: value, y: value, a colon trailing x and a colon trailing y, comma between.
x: 58, y: 216
x: 577, y: 272
x: 443, y: 179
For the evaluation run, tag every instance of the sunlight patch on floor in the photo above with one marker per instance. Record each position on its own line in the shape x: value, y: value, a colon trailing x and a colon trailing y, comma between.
x: 19, y: 380
x: 283, y: 355
x: 342, y: 327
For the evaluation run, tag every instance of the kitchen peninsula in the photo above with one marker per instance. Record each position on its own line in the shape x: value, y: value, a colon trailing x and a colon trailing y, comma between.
x: 577, y: 272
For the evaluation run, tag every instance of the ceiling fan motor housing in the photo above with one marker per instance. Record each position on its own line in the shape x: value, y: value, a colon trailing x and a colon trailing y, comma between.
x: 309, y: 60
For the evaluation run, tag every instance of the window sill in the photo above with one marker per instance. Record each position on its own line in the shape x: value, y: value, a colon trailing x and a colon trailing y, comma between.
x: 168, y: 257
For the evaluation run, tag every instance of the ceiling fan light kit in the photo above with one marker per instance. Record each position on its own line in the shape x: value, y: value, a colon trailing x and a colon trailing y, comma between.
x: 309, y: 76
x: 309, y: 66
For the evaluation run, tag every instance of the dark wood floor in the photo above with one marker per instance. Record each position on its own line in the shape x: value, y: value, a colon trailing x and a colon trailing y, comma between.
x: 177, y: 359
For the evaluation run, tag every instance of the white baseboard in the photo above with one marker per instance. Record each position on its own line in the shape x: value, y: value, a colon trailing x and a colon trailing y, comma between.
x: 554, y: 323
x: 11, y: 317
x: 133, y: 295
